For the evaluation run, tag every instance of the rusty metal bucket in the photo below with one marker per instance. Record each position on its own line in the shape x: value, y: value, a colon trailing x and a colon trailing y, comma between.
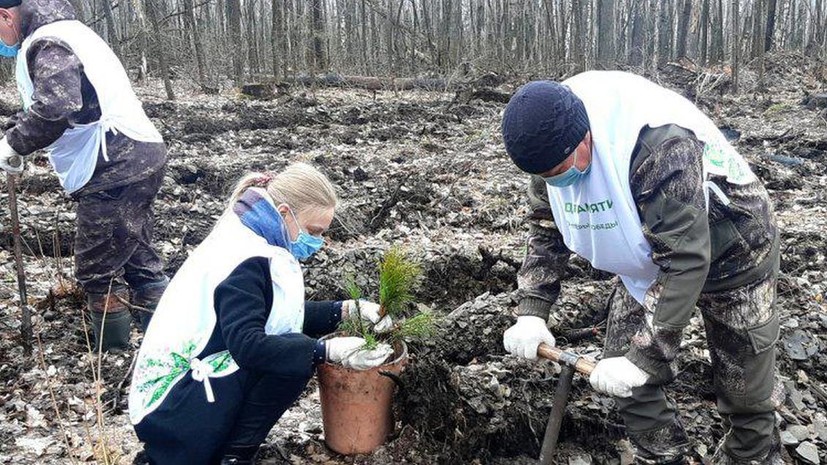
x: 357, y: 404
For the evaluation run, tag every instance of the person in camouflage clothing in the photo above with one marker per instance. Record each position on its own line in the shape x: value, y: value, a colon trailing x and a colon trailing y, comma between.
x: 638, y: 181
x: 78, y: 103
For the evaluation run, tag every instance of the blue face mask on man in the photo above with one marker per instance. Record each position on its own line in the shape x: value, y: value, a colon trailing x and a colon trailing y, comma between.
x: 8, y: 51
x: 568, y: 177
x: 305, y: 244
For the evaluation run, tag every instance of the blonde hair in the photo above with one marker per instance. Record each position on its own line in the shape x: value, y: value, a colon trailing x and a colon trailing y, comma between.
x: 301, y: 186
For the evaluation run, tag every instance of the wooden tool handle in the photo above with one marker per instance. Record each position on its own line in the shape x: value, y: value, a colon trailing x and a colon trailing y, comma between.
x: 583, y: 365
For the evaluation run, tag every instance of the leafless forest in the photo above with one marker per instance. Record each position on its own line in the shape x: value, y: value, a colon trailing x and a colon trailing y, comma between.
x: 213, y: 41
x: 399, y: 103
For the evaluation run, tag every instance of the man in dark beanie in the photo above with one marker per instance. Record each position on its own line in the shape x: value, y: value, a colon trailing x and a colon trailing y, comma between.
x: 639, y: 182
x: 78, y: 104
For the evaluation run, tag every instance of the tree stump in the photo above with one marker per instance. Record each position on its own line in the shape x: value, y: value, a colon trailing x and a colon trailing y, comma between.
x: 259, y: 91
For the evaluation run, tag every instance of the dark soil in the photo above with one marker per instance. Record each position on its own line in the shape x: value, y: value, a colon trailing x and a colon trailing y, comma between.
x: 415, y: 170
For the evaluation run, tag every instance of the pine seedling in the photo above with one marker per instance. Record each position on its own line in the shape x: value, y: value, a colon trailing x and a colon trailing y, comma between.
x: 352, y: 288
x: 397, y: 276
x: 370, y: 341
x: 419, y: 326
x: 353, y: 325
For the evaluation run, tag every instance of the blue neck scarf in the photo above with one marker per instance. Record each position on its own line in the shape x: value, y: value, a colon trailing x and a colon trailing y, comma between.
x: 259, y: 214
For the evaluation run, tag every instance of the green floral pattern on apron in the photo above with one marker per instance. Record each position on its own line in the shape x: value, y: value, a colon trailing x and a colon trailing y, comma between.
x: 721, y: 162
x: 164, y: 372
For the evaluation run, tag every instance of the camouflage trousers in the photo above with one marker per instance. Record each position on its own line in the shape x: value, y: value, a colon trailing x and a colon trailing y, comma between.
x: 113, y: 239
x: 741, y: 327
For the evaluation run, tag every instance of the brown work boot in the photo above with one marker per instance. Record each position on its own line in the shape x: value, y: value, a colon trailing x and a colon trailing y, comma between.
x: 111, y: 320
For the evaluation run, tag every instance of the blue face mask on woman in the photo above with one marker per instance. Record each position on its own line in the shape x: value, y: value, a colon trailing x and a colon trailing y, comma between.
x: 568, y: 177
x: 305, y: 244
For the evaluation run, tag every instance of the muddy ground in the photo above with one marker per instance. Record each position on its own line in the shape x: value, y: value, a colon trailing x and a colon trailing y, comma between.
x: 416, y: 170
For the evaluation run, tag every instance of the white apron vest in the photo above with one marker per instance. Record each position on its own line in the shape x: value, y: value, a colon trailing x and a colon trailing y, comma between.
x: 185, y: 317
x: 597, y: 216
x: 74, y: 155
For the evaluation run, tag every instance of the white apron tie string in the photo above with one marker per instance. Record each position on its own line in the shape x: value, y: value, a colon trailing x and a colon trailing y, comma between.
x: 711, y: 186
x: 104, y: 126
x: 201, y: 372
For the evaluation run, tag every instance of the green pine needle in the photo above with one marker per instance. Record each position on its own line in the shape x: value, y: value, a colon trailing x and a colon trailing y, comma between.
x: 352, y: 288
x: 420, y: 326
x: 370, y: 341
x: 397, y: 277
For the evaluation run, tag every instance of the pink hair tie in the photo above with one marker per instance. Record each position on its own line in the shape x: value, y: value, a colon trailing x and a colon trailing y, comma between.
x: 264, y: 179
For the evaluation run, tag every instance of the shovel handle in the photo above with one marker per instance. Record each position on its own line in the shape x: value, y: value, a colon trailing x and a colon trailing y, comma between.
x: 583, y: 365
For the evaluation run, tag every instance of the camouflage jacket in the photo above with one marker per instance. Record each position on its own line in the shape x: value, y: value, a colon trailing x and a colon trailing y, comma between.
x: 696, y: 251
x: 64, y: 97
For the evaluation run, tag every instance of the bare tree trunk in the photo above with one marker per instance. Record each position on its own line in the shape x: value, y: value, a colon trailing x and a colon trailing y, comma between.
x: 816, y: 41
x: 234, y: 21
x: 349, y: 13
x: 606, y: 34
x: 717, y: 48
x: 152, y: 14
x: 252, y: 45
x: 195, y: 38
x: 277, y: 42
x: 143, y: 40
x: 317, y: 32
x: 636, y: 46
x: 758, y: 39
x: 578, y: 37
x: 735, y: 44
x: 111, y: 33
x: 769, y: 28
x: 683, y: 28
x: 664, y: 50
x: 703, y: 44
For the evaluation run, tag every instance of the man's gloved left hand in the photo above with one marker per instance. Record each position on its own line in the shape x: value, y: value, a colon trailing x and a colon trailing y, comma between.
x: 369, y: 311
x: 617, y: 376
x: 10, y: 161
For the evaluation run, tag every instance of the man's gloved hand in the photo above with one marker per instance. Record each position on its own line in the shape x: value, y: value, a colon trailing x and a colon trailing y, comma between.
x: 338, y: 348
x: 363, y: 359
x: 525, y: 336
x: 369, y: 311
x: 617, y: 376
x: 10, y: 161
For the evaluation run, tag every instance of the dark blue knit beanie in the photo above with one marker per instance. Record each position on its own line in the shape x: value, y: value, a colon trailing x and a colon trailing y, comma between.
x: 10, y: 3
x: 542, y: 125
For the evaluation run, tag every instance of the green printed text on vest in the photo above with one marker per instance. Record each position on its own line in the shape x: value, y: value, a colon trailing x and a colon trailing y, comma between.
x: 586, y: 207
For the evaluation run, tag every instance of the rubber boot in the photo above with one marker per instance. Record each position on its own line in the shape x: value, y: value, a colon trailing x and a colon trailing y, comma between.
x: 239, y: 455
x: 667, y: 445
x: 111, y: 320
x: 147, y: 297
x: 776, y: 455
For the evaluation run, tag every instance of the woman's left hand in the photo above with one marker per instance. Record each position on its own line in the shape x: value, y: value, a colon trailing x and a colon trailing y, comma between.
x: 369, y: 311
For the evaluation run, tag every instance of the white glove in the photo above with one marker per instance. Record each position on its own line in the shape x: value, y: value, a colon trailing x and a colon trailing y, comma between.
x: 363, y: 359
x: 7, y: 156
x: 338, y: 348
x: 525, y: 336
x: 617, y: 376
x: 369, y: 311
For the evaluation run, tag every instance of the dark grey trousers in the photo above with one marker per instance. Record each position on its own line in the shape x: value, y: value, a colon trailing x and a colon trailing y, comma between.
x: 741, y: 328
x: 113, y: 240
